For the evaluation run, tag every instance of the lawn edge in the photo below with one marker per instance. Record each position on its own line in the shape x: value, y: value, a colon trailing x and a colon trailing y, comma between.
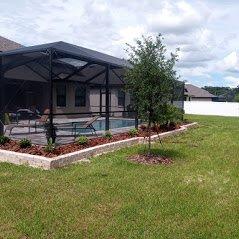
x: 81, y: 155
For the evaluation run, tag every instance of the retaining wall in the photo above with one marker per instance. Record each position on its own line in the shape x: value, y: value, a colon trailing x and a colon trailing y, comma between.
x: 78, y: 156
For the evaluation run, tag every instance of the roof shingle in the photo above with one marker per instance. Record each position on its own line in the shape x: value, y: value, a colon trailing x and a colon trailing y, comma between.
x: 7, y: 45
x: 194, y: 91
x: 72, y: 50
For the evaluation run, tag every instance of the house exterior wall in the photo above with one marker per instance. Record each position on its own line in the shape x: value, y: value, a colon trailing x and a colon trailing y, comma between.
x: 191, y: 98
x: 70, y: 101
x: 201, y: 99
x: 92, y: 101
x: 95, y: 101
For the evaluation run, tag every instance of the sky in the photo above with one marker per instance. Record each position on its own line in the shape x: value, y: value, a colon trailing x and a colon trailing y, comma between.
x: 206, y: 31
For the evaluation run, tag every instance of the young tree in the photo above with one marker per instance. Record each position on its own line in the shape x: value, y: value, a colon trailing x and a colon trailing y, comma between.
x: 151, y: 78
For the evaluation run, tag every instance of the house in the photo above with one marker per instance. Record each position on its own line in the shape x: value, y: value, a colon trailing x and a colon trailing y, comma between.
x: 7, y: 45
x: 70, y: 81
x: 78, y: 78
x: 194, y: 93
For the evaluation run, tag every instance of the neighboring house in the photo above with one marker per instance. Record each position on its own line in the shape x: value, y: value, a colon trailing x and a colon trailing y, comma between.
x: 194, y: 93
x: 7, y: 45
x: 220, y: 98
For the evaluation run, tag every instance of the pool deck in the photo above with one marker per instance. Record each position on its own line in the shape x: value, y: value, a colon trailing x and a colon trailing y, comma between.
x: 63, y: 137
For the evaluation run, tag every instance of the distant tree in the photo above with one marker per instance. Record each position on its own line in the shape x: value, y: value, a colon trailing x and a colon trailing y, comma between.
x: 236, y: 99
x: 151, y: 78
x: 226, y: 93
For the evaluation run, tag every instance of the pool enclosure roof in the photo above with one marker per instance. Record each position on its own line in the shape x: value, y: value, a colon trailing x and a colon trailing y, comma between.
x: 69, y: 62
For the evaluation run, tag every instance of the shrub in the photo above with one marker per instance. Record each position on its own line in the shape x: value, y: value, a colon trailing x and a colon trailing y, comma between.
x: 82, y: 140
x: 4, y: 140
x: 108, y: 135
x: 168, y: 114
x: 25, y: 143
x: 50, y: 147
x: 175, y: 115
x: 133, y: 132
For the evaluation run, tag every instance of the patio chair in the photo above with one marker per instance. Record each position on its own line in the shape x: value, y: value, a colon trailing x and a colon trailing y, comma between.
x: 39, y: 122
x: 75, y: 126
x: 87, y: 125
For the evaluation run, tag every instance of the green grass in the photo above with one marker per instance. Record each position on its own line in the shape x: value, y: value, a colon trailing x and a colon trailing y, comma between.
x: 195, y: 197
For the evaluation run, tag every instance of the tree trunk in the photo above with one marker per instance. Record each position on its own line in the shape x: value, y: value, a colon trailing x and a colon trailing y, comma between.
x: 149, y: 132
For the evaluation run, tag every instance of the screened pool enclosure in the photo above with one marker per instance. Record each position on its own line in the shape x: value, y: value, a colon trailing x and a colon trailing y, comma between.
x: 57, y: 88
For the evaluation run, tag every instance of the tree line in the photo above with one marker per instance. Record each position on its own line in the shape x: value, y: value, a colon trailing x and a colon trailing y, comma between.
x: 224, y: 93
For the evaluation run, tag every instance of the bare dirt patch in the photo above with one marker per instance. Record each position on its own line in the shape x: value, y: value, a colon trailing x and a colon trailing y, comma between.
x: 150, y: 159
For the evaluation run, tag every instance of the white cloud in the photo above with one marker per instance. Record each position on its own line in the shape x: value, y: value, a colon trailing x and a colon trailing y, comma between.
x: 177, y: 18
x: 232, y: 81
x: 189, y: 73
x: 229, y: 63
x: 204, y: 36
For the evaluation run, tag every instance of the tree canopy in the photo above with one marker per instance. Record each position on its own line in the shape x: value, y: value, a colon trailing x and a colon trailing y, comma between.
x: 152, y: 79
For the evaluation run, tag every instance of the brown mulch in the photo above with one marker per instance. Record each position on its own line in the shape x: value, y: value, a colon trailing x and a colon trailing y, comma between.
x: 72, y: 147
x: 13, y: 145
x: 150, y: 159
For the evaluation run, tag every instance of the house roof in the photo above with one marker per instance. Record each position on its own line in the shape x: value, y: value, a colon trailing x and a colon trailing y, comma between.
x: 73, y: 50
x: 7, y: 45
x: 70, y: 62
x: 194, y: 91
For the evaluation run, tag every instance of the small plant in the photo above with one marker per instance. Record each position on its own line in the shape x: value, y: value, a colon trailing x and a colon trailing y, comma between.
x: 133, y: 132
x: 108, y: 135
x: 25, y: 143
x: 50, y: 147
x: 50, y: 133
x: 82, y: 140
x: 4, y: 140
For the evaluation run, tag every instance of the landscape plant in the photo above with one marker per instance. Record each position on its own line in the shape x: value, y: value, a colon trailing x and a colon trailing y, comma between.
x: 151, y: 79
x: 50, y: 147
x: 133, y: 132
x: 25, y: 143
x: 169, y: 114
x: 48, y: 130
x: 108, y: 135
x: 4, y: 139
x: 82, y: 140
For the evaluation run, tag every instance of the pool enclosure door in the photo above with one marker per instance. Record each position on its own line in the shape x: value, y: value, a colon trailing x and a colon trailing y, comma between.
x: 102, y: 100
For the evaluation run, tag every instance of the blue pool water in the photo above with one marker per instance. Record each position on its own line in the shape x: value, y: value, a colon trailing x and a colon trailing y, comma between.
x: 114, y: 123
x: 99, y: 125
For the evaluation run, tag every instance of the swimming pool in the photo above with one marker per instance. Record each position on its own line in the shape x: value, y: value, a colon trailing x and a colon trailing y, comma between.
x: 99, y: 125
x: 114, y: 124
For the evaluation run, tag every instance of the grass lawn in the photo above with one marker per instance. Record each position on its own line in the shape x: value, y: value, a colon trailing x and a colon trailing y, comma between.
x: 195, y: 197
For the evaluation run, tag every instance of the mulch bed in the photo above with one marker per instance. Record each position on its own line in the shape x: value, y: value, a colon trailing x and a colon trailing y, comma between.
x: 72, y: 147
x: 150, y: 159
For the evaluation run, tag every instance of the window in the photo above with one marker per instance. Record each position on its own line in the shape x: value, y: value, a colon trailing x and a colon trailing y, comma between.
x: 61, y: 95
x: 80, y: 96
x: 121, y: 98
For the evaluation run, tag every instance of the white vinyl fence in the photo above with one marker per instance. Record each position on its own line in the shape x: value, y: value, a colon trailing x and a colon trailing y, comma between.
x: 211, y: 108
